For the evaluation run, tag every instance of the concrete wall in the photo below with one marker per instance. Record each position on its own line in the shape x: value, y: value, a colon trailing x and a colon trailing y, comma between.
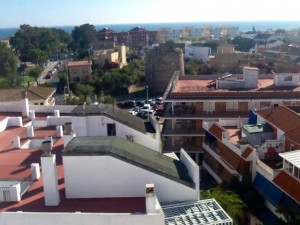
x: 23, y: 218
x: 61, y: 120
x: 289, y: 79
x: 193, y: 169
x: 110, y: 177
x: 50, y: 109
x: 97, y: 126
x: 12, y: 107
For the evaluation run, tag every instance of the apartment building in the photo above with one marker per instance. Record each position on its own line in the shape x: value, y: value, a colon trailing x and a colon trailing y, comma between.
x: 79, y: 70
x: 192, y: 100
x: 264, y: 147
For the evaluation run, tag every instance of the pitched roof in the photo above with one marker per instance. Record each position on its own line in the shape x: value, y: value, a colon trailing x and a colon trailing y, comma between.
x: 288, y: 184
x: 216, y: 130
x: 116, y: 114
x: 33, y: 94
x: 262, y: 36
x: 131, y: 153
x: 137, y: 29
x: 247, y: 152
x: 79, y: 63
x: 282, y: 118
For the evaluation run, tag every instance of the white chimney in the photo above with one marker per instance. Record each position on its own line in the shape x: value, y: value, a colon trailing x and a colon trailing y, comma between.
x: 50, y: 183
x: 25, y: 107
x: 30, y: 132
x: 17, y: 142
x: 56, y: 113
x: 35, y: 171
x: 59, y: 131
x: 152, y: 205
x: 32, y: 115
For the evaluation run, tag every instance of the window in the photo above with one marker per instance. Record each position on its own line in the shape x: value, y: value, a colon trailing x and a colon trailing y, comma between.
x: 111, y: 129
x: 288, y: 78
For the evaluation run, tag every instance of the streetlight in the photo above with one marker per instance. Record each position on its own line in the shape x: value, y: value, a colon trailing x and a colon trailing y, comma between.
x: 146, y: 87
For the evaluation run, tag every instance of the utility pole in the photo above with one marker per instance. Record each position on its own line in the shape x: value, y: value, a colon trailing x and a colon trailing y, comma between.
x: 146, y: 87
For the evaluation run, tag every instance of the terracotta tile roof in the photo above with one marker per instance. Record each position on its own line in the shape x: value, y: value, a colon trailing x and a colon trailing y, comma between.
x: 283, y: 118
x: 288, y: 184
x: 79, y: 63
x: 216, y: 130
x: 230, y: 157
x: 14, y: 173
x: 33, y: 93
x: 247, y: 152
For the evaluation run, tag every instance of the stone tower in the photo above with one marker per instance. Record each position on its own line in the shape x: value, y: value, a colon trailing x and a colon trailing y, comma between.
x: 161, y: 62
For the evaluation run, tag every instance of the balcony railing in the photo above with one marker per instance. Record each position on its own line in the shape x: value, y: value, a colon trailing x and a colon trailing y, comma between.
x: 168, y: 113
x: 184, y: 128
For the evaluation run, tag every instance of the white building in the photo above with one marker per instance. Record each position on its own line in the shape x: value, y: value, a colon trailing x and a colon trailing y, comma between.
x: 108, y: 120
x: 198, y: 53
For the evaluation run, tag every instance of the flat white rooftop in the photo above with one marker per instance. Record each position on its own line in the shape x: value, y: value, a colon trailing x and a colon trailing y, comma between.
x: 200, y: 212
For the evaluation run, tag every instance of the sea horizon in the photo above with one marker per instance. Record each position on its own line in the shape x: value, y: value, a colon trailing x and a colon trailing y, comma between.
x: 242, y: 25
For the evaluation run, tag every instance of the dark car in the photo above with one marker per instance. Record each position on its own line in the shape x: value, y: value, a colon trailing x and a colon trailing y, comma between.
x: 143, y: 115
x: 129, y: 104
x: 140, y: 103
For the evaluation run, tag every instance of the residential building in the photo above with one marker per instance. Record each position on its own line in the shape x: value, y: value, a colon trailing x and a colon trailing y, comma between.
x: 6, y: 42
x: 225, y: 48
x: 198, y: 53
x: 79, y: 70
x: 282, y: 54
x: 91, y: 180
x: 263, y: 147
x: 264, y: 38
x: 192, y: 100
x: 36, y: 95
x: 107, y: 52
x: 109, y: 120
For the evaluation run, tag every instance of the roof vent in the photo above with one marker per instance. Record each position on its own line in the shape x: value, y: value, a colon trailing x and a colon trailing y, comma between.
x: 68, y: 128
x: 47, y: 147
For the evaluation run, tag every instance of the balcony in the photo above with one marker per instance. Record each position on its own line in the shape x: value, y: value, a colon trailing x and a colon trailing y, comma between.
x: 191, y: 113
x: 182, y: 128
x: 187, y: 143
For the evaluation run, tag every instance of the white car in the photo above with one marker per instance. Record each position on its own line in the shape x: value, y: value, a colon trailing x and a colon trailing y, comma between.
x: 147, y: 108
x: 135, y: 111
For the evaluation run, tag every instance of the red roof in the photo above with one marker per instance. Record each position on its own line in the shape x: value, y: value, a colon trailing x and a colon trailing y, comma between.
x: 216, y: 130
x: 284, y: 119
x: 79, y: 63
x: 14, y: 173
x: 288, y: 184
x: 247, y: 152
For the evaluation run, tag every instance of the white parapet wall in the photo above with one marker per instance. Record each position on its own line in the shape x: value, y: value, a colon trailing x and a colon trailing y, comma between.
x: 25, y: 218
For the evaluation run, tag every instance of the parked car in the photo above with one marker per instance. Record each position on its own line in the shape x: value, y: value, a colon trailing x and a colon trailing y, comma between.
x: 143, y: 115
x: 140, y: 103
x: 147, y: 108
x: 135, y: 110
x: 129, y: 104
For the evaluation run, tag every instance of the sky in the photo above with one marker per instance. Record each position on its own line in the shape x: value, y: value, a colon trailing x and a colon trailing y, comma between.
x: 13, y: 13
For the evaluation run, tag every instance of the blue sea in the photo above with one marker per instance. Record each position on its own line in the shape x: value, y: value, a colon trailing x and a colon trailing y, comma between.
x: 243, y: 26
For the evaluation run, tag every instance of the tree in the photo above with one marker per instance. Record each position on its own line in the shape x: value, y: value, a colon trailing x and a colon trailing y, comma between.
x: 191, y: 67
x: 34, y: 72
x: 8, y: 61
x: 230, y: 202
x: 83, y: 37
x: 84, y: 90
x: 243, y: 44
x: 37, y: 43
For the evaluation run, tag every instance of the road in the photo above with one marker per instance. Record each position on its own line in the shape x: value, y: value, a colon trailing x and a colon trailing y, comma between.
x: 41, y: 78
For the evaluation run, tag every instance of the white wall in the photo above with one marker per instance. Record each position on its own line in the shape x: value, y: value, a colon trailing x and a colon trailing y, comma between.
x: 61, y: 120
x: 97, y: 126
x: 105, y: 176
x: 50, y: 109
x: 280, y: 79
x: 21, y: 218
x: 10, y: 107
x: 193, y: 169
x: 197, y: 53
x: 3, y: 124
